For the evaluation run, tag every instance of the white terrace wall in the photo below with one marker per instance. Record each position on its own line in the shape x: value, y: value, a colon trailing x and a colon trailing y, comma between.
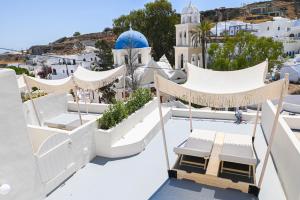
x: 88, y: 107
x: 18, y: 167
x: 48, y: 106
x: 285, y: 151
x: 209, y: 114
x: 104, y: 139
x: 60, y: 153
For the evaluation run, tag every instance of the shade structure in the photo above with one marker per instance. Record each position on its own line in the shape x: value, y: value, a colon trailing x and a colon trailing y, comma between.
x: 82, y: 78
x: 223, y: 89
x: 50, y: 86
x: 92, y: 80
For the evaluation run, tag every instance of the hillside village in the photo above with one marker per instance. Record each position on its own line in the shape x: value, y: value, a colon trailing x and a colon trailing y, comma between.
x: 165, y: 105
x: 276, y: 19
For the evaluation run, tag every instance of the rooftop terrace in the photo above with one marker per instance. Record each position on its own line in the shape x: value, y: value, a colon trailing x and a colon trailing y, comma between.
x: 144, y: 176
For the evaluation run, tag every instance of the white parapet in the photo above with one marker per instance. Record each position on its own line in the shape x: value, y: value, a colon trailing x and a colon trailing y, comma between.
x: 285, y: 151
x: 18, y: 167
x: 132, y: 135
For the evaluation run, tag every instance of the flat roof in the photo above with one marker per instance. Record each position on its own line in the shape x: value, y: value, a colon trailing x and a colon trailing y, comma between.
x: 144, y: 176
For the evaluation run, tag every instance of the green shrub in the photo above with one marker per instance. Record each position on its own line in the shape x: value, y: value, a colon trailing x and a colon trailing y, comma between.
x: 111, y: 117
x: 138, y: 99
x: 20, y: 71
x: 119, y: 111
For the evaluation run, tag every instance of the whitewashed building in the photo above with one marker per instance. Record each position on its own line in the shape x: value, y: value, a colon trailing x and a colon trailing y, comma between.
x: 232, y: 27
x: 64, y: 65
x: 292, y: 67
x: 284, y: 30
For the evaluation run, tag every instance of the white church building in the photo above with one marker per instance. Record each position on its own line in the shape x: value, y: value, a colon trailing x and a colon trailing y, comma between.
x: 132, y: 48
x: 185, y: 51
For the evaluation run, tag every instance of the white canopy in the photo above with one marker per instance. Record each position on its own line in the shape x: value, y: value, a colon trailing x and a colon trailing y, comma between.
x: 50, y: 86
x: 82, y: 78
x: 223, y: 89
x: 92, y: 80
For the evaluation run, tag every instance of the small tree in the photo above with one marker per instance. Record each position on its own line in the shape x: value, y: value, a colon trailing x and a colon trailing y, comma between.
x: 108, y: 94
x: 76, y: 34
x: 132, y: 65
x: 45, y: 72
x: 200, y: 37
x: 244, y: 50
x: 105, y: 55
x: 19, y: 70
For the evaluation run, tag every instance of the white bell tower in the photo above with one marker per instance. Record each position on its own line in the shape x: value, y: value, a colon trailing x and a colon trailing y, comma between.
x: 184, y: 49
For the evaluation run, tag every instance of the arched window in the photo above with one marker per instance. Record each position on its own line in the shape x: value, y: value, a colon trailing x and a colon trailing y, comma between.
x: 74, y: 62
x: 181, y: 61
x: 278, y: 28
x: 268, y: 28
x: 54, y: 71
x: 126, y: 59
x: 184, y: 34
x: 140, y: 58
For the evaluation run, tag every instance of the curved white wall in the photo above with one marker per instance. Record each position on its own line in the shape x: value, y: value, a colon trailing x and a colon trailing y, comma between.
x: 104, y: 139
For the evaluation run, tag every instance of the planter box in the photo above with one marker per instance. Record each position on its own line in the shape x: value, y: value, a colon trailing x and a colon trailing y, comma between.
x: 105, y: 139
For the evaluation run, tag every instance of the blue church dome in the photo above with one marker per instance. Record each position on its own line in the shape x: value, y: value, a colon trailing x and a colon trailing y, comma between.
x: 131, y: 39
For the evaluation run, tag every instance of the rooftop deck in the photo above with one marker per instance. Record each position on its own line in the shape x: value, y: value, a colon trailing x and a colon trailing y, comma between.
x: 145, y: 176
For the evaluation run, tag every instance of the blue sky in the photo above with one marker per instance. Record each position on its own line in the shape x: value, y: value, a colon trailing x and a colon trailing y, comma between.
x: 28, y: 22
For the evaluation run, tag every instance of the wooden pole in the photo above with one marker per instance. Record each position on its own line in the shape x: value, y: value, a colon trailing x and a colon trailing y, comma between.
x: 78, y: 108
x: 256, y: 122
x: 85, y: 102
x: 273, y: 132
x: 33, y: 104
x: 190, y: 112
x: 162, y: 124
x: 76, y: 97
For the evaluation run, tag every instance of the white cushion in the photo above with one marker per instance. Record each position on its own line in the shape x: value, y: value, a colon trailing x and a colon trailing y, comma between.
x: 199, y: 144
x: 238, y: 149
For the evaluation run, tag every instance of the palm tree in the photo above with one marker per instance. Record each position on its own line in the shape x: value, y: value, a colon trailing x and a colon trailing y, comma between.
x: 200, y: 36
